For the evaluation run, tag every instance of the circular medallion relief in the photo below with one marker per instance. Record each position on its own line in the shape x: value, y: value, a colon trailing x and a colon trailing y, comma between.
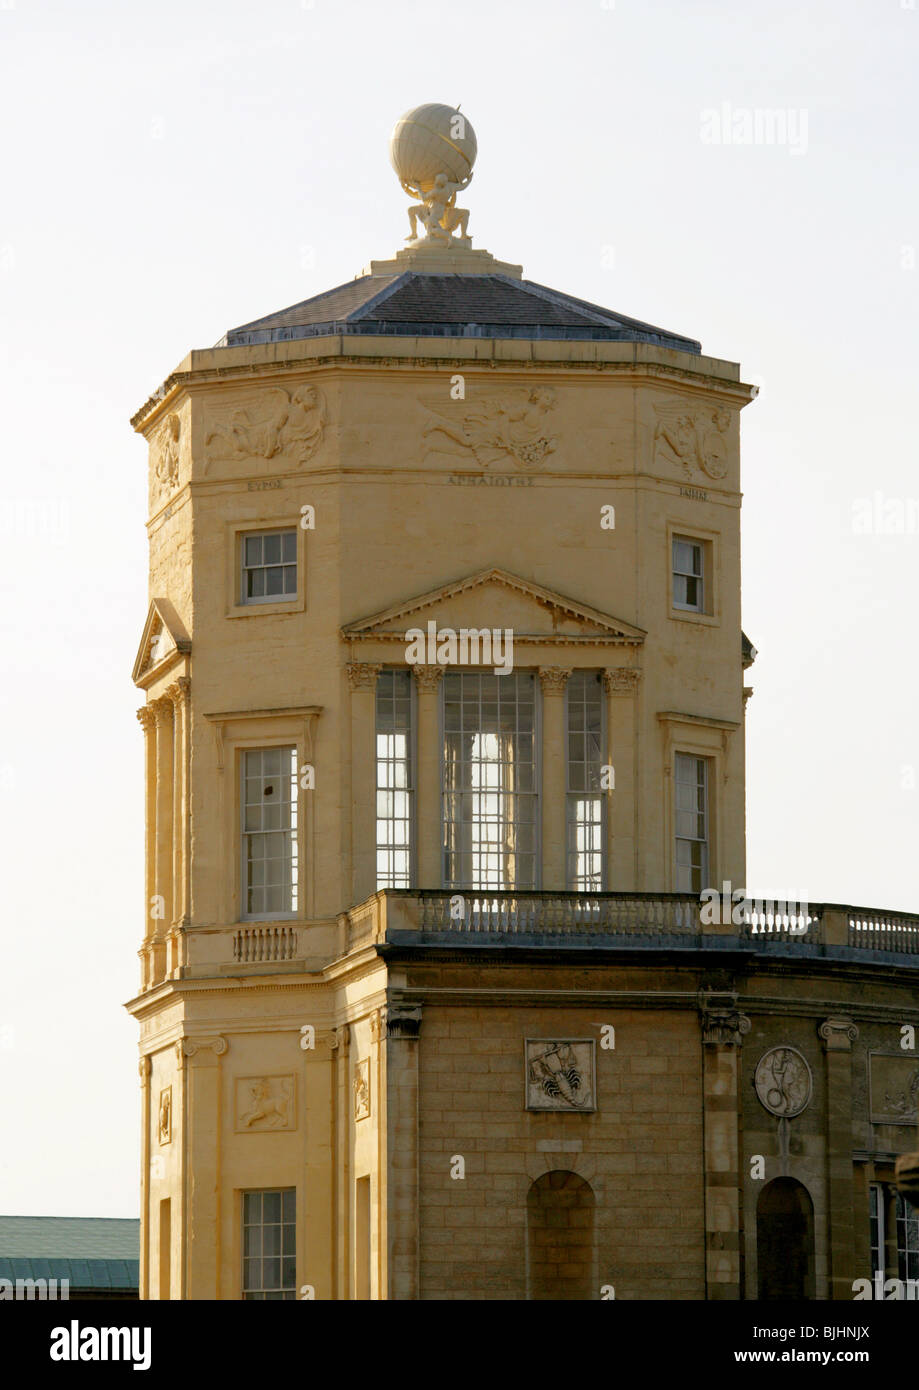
x: 783, y: 1081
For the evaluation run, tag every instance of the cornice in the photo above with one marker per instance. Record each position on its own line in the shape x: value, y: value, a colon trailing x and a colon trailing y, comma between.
x: 632, y: 362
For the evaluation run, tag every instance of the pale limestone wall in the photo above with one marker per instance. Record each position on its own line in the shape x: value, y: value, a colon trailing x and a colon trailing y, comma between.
x: 395, y: 519
x: 640, y: 1152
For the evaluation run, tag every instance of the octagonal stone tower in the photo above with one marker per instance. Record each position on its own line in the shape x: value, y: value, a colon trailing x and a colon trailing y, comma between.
x: 344, y: 837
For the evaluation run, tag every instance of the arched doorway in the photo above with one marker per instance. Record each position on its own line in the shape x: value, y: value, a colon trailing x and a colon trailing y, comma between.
x: 560, y: 1237
x: 785, y: 1241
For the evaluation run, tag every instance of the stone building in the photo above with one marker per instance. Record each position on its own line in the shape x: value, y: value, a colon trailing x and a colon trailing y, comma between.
x: 444, y: 727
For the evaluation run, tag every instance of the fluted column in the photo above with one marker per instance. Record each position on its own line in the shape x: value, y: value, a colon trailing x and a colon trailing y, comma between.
x: 553, y: 680
x: 621, y: 684
x: 362, y: 680
x: 178, y: 694
x: 162, y: 885
x: 147, y: 719
x: 838, y: 1035
x: 429, y: 814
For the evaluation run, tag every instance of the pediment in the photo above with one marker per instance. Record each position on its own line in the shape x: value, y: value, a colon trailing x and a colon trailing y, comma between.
x: 163, y: 642
x: 494, y: 598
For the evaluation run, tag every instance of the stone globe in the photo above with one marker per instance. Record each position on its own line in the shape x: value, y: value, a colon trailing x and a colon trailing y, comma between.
x: 431, y: 140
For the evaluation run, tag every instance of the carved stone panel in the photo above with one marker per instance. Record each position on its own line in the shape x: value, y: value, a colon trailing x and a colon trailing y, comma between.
x: 561, y: 1074
x: 692, y: 438
x: 893, y: 1088
x: 265, y: 1103
x: 783, y: 1082
x: 164, y: 1116
x: 362, y: 1090
x: 270, y: 424
x: 510, y: 427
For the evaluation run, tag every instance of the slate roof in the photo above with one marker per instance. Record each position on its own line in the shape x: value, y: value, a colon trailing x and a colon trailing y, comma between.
x: 417, y: 304
x: 70, y: 1237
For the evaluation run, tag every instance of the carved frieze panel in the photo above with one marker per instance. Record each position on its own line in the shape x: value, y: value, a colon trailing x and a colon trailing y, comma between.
x: 561, y: 1074
x: 272, y: 424
x: 265, y: 1103
x: 166, y: 447
x: 513, y: 426
x: 362, y: 1090
x: 893, y: 1088
x: 692, y: 438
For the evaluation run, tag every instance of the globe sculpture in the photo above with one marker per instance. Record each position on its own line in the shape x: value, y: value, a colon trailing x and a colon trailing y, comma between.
x: 432, y: 149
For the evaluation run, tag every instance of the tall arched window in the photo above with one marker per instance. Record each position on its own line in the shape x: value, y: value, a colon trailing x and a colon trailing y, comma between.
x: 560, y: 1238
x: 785, y: 1241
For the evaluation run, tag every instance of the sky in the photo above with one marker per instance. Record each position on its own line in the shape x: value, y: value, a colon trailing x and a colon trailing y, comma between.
x: 741, y: 173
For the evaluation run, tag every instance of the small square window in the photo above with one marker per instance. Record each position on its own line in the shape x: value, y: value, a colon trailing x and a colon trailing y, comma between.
x: 688, y: 575
x: 269, y: 567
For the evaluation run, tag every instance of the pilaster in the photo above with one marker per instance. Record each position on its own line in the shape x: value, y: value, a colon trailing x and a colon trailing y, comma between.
x: 723, y: 1030
x: 403, y: 1030
x: 838, y: 1035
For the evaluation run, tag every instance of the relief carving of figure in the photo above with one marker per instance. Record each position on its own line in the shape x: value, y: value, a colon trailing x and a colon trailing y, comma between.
x: 693, y: 439
x: 286, y: 423
x: 263, y: 1106
x: 165, y: 1117
x: 166, y: 452
x: 497, y: 427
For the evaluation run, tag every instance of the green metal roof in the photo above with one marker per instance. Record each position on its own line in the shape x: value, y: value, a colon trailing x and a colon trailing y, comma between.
x: 89, y: 1239
x: 82, y: 1274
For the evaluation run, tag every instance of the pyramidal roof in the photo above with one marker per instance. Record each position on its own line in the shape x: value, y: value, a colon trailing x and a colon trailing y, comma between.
x: 407, y: 298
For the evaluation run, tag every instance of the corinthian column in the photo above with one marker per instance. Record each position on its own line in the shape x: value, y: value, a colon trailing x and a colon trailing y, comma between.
x: 429, y: 815
x: 362, y: 679
x: 621, y: 685
x: 178, y: 694
x: 553, y: 680
x: 148, y: 722
x: 162, y: 878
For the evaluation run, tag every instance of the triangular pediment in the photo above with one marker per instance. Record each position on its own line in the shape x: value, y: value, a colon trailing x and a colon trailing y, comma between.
x: 494, y: 598
x: 163, y: 642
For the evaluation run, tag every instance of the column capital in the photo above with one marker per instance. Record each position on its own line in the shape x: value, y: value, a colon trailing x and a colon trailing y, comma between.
x: 144, y: 1068
x: 838, y: 1034
x: 553, y: 679
x: 190, y: 1047
x: 428, y: 677
x: 178, y: 691
x: 147, y: 717
x: 163, y: 709
x: 362, y: 675
x: 403, y: 1021
x: 621, y: 680
x: 723, y: 1024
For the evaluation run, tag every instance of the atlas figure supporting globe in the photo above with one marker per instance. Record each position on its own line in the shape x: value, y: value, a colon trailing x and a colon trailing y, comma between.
x: 432, y: 150
x: 437, y: 212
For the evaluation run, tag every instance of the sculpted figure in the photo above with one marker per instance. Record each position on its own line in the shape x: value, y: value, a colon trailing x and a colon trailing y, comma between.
x: 513, y: 423
x: 166, y: 452
x: 264, y: 1106
x: 437, y: 212
x: 292, y: 423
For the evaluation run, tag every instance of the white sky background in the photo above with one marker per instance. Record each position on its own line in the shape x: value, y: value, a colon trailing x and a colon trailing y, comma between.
x: 169, y: 171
